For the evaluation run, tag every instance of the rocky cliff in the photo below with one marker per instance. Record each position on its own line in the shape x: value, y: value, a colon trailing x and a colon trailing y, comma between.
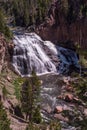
x: 5, y: 50
x: 66, y: 21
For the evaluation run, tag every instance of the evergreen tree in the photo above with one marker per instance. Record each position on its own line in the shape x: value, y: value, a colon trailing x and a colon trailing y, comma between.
x: 37, y: 115
x: 3, y: 27
x: 4, y: 122
x: 30, y: 11
x: 29, y: 96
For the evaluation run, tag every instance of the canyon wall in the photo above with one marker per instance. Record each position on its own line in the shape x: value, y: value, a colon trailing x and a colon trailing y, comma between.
x: 66, y: 22
x: 2, y: 51
x: 6, y: 49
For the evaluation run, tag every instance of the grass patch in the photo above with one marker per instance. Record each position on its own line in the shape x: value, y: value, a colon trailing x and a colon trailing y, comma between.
x: 81, y: 89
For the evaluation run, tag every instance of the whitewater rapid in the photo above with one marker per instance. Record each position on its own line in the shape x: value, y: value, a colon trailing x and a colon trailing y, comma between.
x: 32, y: 53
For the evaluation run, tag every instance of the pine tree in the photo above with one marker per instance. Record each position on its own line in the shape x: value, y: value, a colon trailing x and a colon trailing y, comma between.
x: 29, y: 96
x: 37, y: 116
x: 30, y: 12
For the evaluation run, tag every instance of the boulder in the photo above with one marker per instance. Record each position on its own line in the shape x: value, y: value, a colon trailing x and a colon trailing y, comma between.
x: 47, y: 108
x: 58, y: 109
x: 3, y: 52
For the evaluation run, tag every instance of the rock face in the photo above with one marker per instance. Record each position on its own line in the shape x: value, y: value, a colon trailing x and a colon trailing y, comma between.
x: 66, y: 21
x: 2, y: 51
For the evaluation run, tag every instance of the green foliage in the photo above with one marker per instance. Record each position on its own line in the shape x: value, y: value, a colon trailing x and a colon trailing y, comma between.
x: 82, y: 55
x: 8, y: 34
x: 83, y: 124
x: 17, y: 85
x: 29, y: 11
x: 3, y: 27
x: 4, y: 92
x: 2, y: 22
x: 4, y: 122
x: 37, y: 116
x: 81, y: 89
x: 54, y: 125
x: 29, y: 97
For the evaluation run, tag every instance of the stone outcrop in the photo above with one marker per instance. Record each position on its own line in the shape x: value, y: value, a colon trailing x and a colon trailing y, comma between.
x: 4, y: 54
x: 2, y: 51
x: 66, y: 21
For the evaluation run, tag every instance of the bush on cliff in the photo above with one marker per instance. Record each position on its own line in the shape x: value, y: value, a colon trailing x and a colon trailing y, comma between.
x: 3, y: 27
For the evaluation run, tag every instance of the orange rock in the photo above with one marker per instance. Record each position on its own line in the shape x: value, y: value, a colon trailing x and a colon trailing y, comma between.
x: 58, y: 109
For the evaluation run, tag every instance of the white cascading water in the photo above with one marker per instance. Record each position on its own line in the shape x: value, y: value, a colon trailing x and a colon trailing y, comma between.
x: 31, y: 52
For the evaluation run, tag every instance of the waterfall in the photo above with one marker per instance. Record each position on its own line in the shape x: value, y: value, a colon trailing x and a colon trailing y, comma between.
x: 31, y: 52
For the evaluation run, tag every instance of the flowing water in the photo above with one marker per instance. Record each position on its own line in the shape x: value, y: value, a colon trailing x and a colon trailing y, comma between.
x: 50, y: 90
x: 32, y: 53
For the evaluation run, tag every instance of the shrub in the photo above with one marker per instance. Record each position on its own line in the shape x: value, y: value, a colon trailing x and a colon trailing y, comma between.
x: 4, y: 122
x: 3, y: 27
